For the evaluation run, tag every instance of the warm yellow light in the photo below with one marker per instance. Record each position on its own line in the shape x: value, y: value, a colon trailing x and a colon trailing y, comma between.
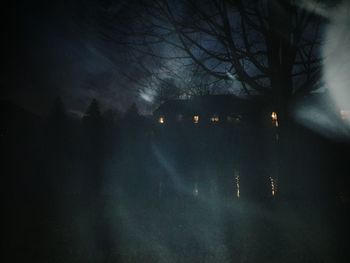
x: 274, y: 118
x: 214, y: 119
x: 161, y: 120
x: 195, y: 118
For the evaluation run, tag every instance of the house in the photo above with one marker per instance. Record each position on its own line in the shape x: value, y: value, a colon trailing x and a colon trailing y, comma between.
x: 209, y: 109
x: 210, y: 142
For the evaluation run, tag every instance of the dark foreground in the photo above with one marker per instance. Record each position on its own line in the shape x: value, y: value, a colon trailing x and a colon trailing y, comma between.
x: 151, y: 197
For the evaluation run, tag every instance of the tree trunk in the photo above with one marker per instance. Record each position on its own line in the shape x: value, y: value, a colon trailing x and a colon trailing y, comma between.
x: 281, y: 57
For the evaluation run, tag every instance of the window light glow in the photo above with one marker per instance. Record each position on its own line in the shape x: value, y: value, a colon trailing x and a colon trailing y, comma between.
x: 214, y: 119
x: 195, y: 118
x: 161, y: 120
x: 274, y: 118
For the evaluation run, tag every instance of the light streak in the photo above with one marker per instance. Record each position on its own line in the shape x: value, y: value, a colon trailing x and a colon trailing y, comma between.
x: 237, y: 184
x: 273, y: 186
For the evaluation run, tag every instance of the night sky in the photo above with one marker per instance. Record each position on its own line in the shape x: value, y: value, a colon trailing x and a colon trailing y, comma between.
x: 59, y: 48
x: 55, y: 48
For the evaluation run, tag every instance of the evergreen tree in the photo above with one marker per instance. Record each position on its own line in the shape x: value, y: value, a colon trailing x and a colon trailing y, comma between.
x: 93, y: 144
x: 93, y: 113
x: 132, y: 115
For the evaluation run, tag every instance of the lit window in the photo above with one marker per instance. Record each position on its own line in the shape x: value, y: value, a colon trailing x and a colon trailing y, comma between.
x: 215, y: 118
x: 195, y: 118
x: 161, y: 120
x: 274, y: 118
x: 345, y: 114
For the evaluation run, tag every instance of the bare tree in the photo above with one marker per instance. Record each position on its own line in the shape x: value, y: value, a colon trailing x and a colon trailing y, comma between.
x: 269, y: 46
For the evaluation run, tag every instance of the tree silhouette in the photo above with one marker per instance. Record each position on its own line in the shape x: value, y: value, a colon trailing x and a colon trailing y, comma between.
x: 93, y: 129
x: 167, y: 90
x: 270, y: 47
x: 133, y: 124
x: 93, y: 145
x: 132, y: 115
x: 93, y: 113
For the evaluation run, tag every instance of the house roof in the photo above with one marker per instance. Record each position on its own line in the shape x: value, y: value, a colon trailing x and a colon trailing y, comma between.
x: 209, y: 104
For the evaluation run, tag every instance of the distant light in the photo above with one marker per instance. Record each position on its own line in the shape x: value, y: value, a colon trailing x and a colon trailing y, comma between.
x: 274, y: 118
x: 161, y: 120
x: 195, y: 118
x: 214, y: 119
